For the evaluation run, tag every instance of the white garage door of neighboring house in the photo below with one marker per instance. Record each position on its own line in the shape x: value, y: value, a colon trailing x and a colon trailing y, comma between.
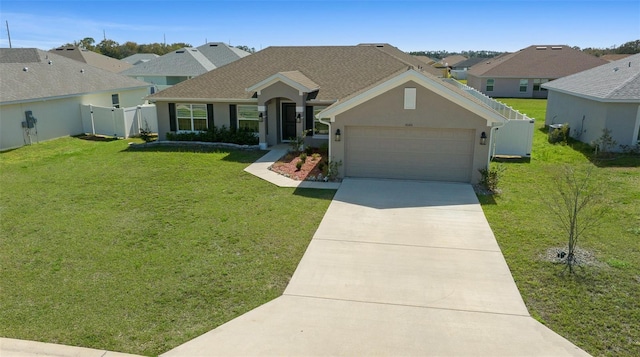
x: 409, y: 153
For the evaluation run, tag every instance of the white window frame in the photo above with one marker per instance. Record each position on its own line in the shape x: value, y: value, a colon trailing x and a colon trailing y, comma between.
x: 523, y: 83
x: 245, y: 109
x: 191, y: 117
x: 115, y: 100
x: 317, y: 109
x: 493, y: 83
x: 538, y: 82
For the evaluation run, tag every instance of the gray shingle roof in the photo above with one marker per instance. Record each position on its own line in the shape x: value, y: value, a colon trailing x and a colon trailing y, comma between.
x: 337, y: 70
x: 140, y: 58
x: 50, y: 75
x: 220, y: 54
x: 92, y: 58
x: 537, y: 62
x: 185, y: 62
x: 614, y: 81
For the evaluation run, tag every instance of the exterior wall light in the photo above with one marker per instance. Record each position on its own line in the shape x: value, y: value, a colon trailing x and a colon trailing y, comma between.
x: 260, y: 117
x: 483, y: 138
x: 298, y: 118
x: 338, y: 135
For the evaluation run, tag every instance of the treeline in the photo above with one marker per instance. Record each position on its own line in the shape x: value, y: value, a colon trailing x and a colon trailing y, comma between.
x: 629, y: 48
x: 438, y: 55
x: 113, y: 49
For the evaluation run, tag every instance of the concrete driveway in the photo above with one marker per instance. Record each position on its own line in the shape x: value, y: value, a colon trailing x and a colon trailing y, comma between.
x: 395, y: 268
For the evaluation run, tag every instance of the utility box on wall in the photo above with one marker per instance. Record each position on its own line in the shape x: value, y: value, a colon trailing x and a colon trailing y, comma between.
x: 30, y: 121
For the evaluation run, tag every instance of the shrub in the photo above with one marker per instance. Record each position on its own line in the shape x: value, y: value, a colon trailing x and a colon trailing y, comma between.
x: 332, y: 172
x: 315, y: 156
x: 631, y: 149
x: 303, y: 157
x: 218, y: 135
x: 299, y: 165
x: 145, y: 133
x: 560, y: 135
x: 491, y: 177
x: 605, y: 143
x: 309, y: 150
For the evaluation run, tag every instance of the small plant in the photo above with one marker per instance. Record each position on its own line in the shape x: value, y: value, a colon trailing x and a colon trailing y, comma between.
x: 491, y: 177
x: 303, y: 157
x: 309, y: 150
x: 631, y: 149
x: 605, y: 143
x: 297, y: 143
x: 315, y: 156
x: 145, y: 133
x: 559, y: 135
x: 332, y: 170
x: 299, y: 165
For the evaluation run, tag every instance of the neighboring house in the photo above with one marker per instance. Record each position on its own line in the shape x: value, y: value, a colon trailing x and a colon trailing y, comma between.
x: 92, y: 58
x: 377, y: 109
x: 451, y: 61
x: 459, y: 70
x: 51, y: 88
x: 138, y: 58
x: 521, y: 74
x: 614, y: 57
x: 607, y: 96
x: 185, y: 63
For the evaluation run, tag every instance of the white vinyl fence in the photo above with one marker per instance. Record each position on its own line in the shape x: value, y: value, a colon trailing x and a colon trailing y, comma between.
x: 515, y: 138
x: 120, y: 122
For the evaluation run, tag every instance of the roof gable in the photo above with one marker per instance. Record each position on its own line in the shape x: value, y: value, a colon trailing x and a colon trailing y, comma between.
x: 221, y: 54
x: 617, y: 81
x: 537, y: 62
x: 294, y: 79
x: 32, y: 74
x: 433, y: 84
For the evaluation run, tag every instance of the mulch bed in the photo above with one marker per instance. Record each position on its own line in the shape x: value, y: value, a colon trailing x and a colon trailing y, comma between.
x: 309, y: 171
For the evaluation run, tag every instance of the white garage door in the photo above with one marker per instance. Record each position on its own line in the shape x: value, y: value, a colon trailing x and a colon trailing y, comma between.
x: 409, y: 153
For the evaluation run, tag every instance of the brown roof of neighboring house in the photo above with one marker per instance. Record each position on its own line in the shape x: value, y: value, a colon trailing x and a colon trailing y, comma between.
x: 92, y: 58
x: 453, y: 60
x: 544, y: 61
x: 338, y: 71
x: 425, y: 59
x: 28, y: 74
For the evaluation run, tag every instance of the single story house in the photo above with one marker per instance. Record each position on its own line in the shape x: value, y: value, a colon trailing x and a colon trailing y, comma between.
x: 459, y: 70
x: 41, y: 94
x: 521, y: 74
x: 377, y: 109
x: 185, y: 63
x: 606, y: 96
x: 92, y: 58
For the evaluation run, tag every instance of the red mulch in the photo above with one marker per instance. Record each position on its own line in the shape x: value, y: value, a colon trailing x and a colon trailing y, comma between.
x: 286, y: 166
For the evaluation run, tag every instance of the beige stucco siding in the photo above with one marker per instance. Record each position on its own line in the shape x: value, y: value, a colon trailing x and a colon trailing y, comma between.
x: 432, y: 111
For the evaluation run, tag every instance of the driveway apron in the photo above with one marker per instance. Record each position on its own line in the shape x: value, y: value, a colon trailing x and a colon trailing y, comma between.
x: 395, y: 268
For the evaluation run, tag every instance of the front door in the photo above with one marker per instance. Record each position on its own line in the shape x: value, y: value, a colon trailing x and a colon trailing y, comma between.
x: 288, y: 121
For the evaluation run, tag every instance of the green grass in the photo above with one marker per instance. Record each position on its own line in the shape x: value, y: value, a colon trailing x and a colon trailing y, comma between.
x: 141, y: 250
x: 598, y: 309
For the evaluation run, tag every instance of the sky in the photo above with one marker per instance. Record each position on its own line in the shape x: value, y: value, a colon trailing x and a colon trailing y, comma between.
x: 503, y: 25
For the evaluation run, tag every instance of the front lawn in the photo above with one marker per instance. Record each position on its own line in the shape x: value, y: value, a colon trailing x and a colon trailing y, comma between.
x: 598, y: 309
x: 141, y: 250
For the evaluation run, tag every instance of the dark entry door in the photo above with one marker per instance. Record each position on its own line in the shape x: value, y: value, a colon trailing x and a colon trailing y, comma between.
x: 288, y: 121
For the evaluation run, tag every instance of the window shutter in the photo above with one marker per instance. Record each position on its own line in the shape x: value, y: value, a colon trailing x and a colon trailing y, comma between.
x: 233, y: 117
x: 210, y: 116
x: 172, y: 117
x: 309, y: 120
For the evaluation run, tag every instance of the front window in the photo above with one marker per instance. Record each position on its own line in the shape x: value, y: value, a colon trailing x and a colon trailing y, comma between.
x: 191, y: 117
x: 248, y: 118
x: 524, y: 83
x: 319, y: 128
x: 489, y: 87
x: 537, y: 84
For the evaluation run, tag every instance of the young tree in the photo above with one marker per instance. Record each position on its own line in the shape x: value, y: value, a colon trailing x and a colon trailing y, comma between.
x: 578, y: 205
